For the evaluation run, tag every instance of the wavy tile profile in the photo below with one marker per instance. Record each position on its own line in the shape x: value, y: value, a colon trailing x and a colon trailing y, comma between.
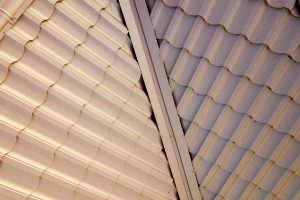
x: 269, y: 28
x: 75, y: 122
x: 234, y: 70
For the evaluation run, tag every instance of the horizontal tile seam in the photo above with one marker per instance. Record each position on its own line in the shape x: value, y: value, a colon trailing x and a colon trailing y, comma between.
x: 238, y: 176
x: 234, y: 74
x: 265, y: 2
x: 245, y: 114
x: 240, y: 76
x: 243, y: 148
x: 246, y: 39
x: 77, y: 185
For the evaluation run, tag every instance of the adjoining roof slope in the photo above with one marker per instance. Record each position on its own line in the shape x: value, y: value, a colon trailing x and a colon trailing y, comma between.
x: 75, y: 122
x: 234, y: 70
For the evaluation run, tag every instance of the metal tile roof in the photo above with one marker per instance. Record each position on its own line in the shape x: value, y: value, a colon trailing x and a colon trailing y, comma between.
x: 75, y: 121
x: 234, y: 71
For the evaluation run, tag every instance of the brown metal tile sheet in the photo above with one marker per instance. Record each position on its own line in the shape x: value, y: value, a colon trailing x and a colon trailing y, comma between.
x: 75, y: 122
x: 234, y: 72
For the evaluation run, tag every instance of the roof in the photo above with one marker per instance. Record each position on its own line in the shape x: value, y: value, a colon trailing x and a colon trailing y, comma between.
x: 197, y: 100
x: 234, y: 71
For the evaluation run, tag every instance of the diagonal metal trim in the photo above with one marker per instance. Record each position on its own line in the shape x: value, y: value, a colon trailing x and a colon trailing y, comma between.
x: 148, y: 55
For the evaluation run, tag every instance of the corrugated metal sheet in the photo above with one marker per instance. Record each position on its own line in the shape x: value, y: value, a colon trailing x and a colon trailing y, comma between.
x: 234, y: 70
x: 75, y: 122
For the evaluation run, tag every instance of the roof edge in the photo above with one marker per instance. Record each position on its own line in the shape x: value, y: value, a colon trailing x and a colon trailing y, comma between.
x: 147, y: 51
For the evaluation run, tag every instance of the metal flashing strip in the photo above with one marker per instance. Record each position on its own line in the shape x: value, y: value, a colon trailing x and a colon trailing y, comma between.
x: 153, y: 71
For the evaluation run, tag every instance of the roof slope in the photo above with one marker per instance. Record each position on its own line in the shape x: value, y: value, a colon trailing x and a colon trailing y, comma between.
x: 75, y: 122
x: 234, y: 70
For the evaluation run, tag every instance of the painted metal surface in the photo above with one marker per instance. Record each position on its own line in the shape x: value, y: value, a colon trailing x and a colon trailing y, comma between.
x: 75, y: 122
x: 234, y: 71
